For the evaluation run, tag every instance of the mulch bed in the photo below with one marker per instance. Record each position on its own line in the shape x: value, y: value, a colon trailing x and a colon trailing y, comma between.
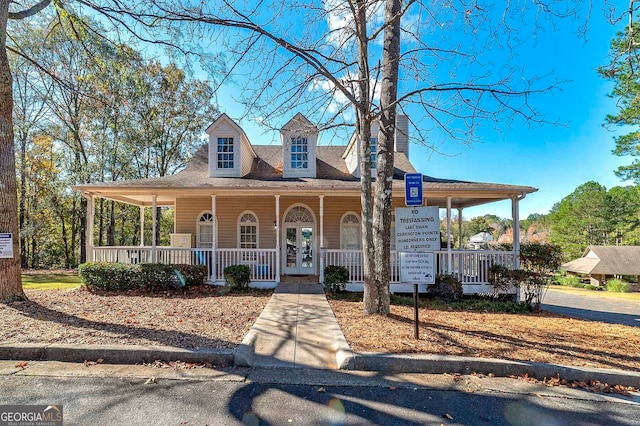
x: 538, y: 337
x: 203, y: 317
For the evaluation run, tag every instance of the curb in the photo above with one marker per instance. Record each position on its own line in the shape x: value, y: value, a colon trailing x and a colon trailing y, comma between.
x: 439, y: 364
x: 115, y: 354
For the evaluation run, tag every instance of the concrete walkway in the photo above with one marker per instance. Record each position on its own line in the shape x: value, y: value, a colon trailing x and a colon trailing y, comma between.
x: 297, y: 328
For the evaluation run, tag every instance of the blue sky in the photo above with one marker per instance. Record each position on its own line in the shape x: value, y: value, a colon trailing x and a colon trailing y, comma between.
x: 553, y: 158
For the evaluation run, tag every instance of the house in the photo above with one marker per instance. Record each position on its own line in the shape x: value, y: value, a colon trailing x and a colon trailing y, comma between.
x: 480, y: 241
x: 288, y: 209
x: 600, y: 263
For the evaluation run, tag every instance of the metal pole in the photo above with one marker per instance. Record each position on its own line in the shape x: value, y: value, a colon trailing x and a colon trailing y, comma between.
x: 416, y: 331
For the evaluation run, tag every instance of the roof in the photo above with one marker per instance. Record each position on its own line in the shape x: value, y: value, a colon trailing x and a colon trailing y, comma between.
x: 481, y: 237
x: 266, y: 176
x: 607, y: 260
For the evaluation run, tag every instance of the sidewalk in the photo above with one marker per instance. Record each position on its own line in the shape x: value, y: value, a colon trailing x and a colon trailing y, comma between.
x: 296, y: 329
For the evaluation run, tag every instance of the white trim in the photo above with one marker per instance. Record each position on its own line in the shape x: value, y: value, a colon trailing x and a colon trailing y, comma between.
x: 257, y: 225
x: 357, y: 225
x: 154, y: 227
x: 214, y: 228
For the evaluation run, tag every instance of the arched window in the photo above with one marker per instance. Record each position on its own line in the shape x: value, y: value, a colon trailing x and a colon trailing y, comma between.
x: 248, y: 230
x: 205, y: 230
x: 350, y: 232
x: 298, y: 214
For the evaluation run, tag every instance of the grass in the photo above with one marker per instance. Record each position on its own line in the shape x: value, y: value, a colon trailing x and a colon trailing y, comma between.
x: 585, y: 292
x: 51, y: 281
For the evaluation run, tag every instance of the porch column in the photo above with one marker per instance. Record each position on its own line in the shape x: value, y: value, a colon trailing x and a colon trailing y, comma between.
x: 321, y: 274
x: 154, y: 226
x: 277, y: 238
x: 515, y: 213
x: 90, y: 226
x: 459, y: 228
x: 141, y: 226
x: 449, y: 253
x: 214, y: 255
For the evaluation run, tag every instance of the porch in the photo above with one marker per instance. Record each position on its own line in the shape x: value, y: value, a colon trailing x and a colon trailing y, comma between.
x: 469, y: 266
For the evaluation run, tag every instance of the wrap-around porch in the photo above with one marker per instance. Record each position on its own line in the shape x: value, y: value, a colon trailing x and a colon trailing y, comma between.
x: 302, y: 234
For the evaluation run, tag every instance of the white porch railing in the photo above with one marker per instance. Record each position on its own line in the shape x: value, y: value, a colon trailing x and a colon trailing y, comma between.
x: 262, y: 262
x: 470, y: 267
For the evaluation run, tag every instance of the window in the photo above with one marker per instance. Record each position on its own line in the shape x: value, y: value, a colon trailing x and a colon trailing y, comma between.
x: 248, y: 231
x: 299, y: 153
x: 350, y: 232
x: 373, y: 142
x: 225, y: 153
x: 205, y: 230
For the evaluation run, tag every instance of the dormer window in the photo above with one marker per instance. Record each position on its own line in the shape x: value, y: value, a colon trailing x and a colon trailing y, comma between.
x: 373, y: 143
x: 299, y: 153
x: 225, y: 153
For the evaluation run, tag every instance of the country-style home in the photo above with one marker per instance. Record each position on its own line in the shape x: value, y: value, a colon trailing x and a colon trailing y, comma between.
x: 289, y: 209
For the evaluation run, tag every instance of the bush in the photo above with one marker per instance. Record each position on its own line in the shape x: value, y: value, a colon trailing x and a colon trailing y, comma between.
x: 447, y: 288
x: 618, y: 286
x: 569, y: 281
x: 335, y: 278
x: 109, y: 276
x: 156, y: 276
x: 237, y: 276
x: 193, y: 274
x: 592, y: 287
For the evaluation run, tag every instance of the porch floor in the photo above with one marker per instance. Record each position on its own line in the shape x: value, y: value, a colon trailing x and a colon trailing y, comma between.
x: 297, y: 328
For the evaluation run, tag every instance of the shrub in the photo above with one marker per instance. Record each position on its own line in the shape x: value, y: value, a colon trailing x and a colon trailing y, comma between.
x: 109, y: 276
x: 592, y: 287
x: 618, y: 286
x: 193, y: 274
x: 447, y: 288
x: 156, y: 276
x: 237, y: 276
x: 569, y: 281
x: 335, y: 278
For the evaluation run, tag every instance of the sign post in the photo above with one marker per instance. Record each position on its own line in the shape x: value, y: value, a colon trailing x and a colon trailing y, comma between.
x: 417, y: 237
x: 6, y: 246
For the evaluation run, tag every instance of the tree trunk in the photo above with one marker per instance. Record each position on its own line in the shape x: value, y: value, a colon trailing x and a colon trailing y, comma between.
x: 10, y: 278
x: 158, y: 220
x: 24, y: 259
x: 111, y: 228
x: 383, y: 187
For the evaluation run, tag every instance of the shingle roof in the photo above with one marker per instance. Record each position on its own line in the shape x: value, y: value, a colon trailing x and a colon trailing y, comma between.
x: 607, y: 260
x: 331, y: 171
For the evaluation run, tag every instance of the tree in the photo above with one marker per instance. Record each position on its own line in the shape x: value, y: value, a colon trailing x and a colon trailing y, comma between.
x: 623, y: 72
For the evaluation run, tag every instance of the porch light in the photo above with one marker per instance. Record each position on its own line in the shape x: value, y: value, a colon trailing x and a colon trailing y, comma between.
x: 275, y: 224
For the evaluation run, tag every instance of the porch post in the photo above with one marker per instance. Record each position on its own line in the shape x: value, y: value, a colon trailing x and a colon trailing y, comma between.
x: 321, y: 274
x: 277, y: 238
x: 459, y: 228
x: 449, y: 253
x: 90, y: 226
x: 214, y: 255
x: 154, y: 225
x: 515, y: 213
x: 141, y: 226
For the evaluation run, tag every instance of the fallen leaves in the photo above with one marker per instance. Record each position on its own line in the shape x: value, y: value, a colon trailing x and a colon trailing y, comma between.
x: 177, y: 365
x: 90, y: 363
x: 22, y: 365
x: 591, y: 386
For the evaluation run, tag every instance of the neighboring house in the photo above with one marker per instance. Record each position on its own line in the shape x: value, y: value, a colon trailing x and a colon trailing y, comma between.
x: 287, y: 209
x: 600, y: 263
x: 480, y: 241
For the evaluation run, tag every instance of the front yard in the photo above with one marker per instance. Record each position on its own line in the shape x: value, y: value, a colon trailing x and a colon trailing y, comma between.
x: 539, y: 337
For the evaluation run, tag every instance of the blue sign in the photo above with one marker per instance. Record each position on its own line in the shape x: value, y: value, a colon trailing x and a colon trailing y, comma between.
x: 413, y: 189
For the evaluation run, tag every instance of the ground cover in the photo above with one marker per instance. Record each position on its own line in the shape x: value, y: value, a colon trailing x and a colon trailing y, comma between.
x: 537, y: 337
x: 60, y: 280
x: 204, y: 316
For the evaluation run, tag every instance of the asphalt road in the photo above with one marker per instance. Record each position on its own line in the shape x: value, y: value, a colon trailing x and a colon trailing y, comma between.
x: 593, y: 308
x: 119, y: 395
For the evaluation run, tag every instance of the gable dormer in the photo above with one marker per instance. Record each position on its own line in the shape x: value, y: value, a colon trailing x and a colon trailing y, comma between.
x: 230, y: 152
x: 351, y: 154
x: 299, y: 141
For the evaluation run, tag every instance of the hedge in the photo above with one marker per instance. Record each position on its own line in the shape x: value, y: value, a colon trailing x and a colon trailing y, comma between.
x: 148, y: 277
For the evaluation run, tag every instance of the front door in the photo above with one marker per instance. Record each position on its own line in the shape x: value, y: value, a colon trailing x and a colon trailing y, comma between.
x: 298, y: 237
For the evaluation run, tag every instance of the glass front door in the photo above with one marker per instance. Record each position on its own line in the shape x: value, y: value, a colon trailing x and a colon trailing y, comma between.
x: 299, y: 252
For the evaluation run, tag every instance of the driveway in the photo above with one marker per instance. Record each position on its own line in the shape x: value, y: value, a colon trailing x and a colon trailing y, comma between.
x: 592, y: 307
